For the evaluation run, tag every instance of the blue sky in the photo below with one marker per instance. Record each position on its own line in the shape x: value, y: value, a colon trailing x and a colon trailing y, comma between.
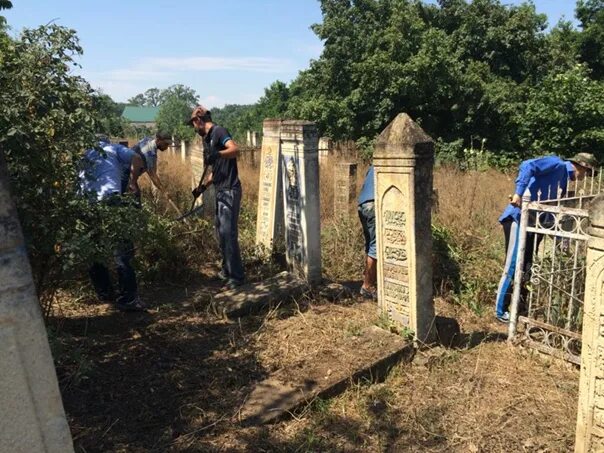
x: 227, y: 50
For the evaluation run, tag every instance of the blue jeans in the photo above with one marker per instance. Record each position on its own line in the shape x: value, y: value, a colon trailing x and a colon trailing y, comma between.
x: 228, y: 203
x: 101, y: 279
x: 367, y: 218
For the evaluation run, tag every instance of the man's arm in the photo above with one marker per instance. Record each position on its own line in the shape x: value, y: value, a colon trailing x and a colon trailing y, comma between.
x: 230, y: 151
x: 136, y: 170
x: 155, y: 179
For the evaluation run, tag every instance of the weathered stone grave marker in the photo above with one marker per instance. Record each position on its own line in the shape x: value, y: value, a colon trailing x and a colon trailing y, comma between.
x: 197, y: 166
x: 325, y: 148
x: 32, y: 417
x: 300, y: 173
x: 590, y: 418
x: 269, y: 223
x: 345, y: 188
x: 403, y: 161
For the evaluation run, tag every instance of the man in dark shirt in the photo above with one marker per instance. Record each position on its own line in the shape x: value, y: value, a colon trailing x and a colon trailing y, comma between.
x: 220, y: 151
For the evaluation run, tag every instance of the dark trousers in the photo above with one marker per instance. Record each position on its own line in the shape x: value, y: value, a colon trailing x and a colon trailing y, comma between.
x: 228, y: 204
x: 101, y: 278
x: 511, y: 233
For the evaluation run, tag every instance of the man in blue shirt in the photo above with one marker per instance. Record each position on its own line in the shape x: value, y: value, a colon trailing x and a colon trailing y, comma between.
x: 543, y: 177
x: 220, y: 152
x: 102, y: 180
x: 148, y: 147
x: 366, y: 211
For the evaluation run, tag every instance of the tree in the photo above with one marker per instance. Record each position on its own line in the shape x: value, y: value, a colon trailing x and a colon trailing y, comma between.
x: 177, y: 103
x: 150, y: 98
x: 591, y: 41
x: 564, y: 115
x: 46, y: 121
x: 108, y: 114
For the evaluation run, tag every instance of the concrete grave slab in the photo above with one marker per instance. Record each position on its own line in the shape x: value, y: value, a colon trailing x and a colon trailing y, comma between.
x: 254, y: 297
x: 375, y: 351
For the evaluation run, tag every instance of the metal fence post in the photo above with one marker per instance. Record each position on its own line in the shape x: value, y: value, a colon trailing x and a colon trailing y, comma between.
x: 518, y: 273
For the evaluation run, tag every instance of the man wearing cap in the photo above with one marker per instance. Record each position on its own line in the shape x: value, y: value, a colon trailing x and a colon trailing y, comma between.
x: 543, y: 177
x: 148, y: 147
x: 220, y: 152
x: 102, y: 180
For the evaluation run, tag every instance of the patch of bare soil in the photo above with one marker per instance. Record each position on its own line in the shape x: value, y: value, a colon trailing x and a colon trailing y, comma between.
x: 175, y: 379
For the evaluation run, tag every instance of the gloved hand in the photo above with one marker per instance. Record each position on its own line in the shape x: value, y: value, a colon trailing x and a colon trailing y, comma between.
x: 198, y: 191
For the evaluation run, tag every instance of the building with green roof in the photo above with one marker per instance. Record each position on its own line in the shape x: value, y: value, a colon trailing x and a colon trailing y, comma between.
x: 141, y: 116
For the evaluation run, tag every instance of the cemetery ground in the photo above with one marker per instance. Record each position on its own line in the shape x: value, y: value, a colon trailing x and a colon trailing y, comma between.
x: 177, y: 378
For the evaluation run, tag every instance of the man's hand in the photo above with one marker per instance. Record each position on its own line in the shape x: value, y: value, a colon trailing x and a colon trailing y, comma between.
x: 198, y: 191
x: 516, y: 200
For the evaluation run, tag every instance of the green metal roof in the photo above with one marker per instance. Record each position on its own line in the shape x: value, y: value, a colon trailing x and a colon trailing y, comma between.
x: 136, y: 114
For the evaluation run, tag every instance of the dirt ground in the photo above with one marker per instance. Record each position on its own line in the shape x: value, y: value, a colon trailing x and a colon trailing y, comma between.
x: 175, y: 379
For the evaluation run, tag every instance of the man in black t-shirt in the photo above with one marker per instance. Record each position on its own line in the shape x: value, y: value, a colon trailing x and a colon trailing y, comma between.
x: 220, y: 151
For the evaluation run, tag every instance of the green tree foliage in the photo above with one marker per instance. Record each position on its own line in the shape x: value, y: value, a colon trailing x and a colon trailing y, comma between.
x: 591, y: 41
x: 150, y: 98
x: 177, y: 102
x: 238, y: 119
x: 564, y: 115
x: 109, y: 114
x: 47, y: 119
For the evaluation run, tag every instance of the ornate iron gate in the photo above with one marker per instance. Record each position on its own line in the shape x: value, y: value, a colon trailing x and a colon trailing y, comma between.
x: 549, y: 296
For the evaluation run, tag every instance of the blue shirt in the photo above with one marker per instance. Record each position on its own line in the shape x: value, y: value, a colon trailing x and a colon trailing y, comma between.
x: 148, y: 147
x: 541, y: 175
x: 368, y: 189
x: 102, y: 173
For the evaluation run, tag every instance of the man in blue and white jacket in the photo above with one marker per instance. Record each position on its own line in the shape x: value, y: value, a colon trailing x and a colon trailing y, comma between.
x: 542, y: 177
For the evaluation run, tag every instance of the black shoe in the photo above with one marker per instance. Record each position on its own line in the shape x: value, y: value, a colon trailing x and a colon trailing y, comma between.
x: 232, y: 283
x: 368, y: 294
x: 135, y: 304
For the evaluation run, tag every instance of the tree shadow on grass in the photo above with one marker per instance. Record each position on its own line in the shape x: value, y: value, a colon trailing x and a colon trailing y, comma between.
x: 140, y: 381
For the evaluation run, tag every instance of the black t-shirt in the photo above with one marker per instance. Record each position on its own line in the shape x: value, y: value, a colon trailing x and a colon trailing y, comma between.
x: 225, y: 175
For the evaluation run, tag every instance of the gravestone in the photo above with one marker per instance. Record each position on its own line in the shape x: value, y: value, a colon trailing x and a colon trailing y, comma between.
x: 197, y: 166
x: 269, y: 223
x: 403, y: 160
x: 196, y: 159
x: 32, y: 417
x: 590, y: 418
x: 345, y: 188
x: 325, y: 145
x: 300, y: 176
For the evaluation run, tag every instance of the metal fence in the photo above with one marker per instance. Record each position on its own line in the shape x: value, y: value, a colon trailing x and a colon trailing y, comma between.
x: 546, y: 310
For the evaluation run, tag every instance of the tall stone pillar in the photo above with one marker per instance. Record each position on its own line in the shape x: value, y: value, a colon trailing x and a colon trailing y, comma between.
x: 32, y: 417
x: 404, y: 159
x: 248, y: 138
x: 269, y: 223
x: 196, y: 152
x: 590, y: 417
x: 345, y: 188
x: 183, y: 150
x: 300, y: 170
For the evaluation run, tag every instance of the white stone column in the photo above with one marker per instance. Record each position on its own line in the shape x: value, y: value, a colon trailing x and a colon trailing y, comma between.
x: 300, y: 169
x: 183, y: 150
x: 269, y: 223
x: 248, y: 138
x: 590, y: 417
x: 403, y: 159
x: 31, y: 411
x: 196, y: 162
